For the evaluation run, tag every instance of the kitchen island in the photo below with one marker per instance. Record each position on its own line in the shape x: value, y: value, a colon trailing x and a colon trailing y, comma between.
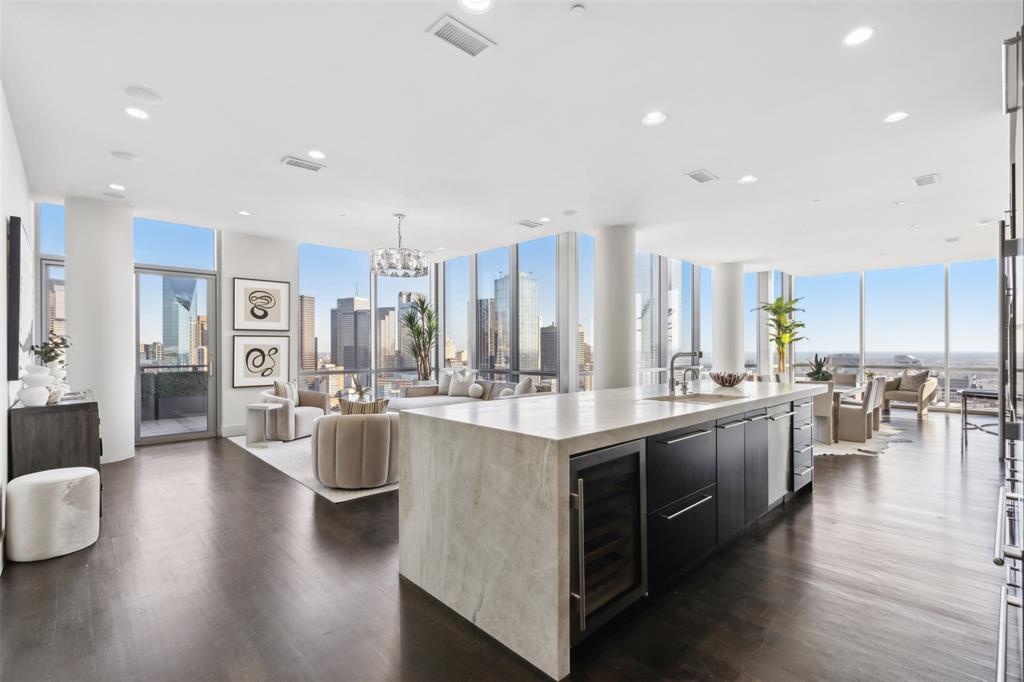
x: 488, y: 517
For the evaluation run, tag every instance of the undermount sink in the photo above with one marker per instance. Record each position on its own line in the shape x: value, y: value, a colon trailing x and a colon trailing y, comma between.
x: 708, y: 398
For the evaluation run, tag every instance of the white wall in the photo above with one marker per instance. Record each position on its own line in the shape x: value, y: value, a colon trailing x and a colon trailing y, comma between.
x: 614, y: 307
x: 100, y: 303
x: 245, y: 255
x: 14, y: 200
x: 727, y: 316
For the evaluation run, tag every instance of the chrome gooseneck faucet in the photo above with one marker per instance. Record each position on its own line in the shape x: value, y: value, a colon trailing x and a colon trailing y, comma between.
x: 682, y: 389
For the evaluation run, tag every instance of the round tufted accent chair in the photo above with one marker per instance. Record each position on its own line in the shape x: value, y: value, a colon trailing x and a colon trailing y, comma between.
x: 356, y: 450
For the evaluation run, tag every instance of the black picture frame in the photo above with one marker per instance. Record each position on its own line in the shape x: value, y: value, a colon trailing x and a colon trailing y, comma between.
x: 13, y: 311
x: 286, y: 297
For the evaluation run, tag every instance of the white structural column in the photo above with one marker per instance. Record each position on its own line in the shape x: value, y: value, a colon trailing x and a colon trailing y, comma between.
x: 727, y: 305
x: 615, y: 307
x: 100, y: 304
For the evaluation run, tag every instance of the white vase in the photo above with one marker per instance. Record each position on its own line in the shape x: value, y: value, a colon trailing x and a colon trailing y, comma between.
x: 37, y: 369
x: 35, y: 380
x: 58, y: 373
x: 53, y: 367
x: 35, y: 396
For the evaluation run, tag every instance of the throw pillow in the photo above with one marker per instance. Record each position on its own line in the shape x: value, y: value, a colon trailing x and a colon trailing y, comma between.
x: 287, y: 389
x: 476, y: 391
x: 445, y: 381
x: 460, y: 384
x: 359, y: 407
x: 506, y: 392
x: 911, y: 381
x: 525, y: 387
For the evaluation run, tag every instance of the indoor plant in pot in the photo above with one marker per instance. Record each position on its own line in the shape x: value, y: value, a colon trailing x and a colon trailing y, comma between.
x: 420, y: 321
x: 819, y: 369
x: 784, y: 328
x: 51, y: 354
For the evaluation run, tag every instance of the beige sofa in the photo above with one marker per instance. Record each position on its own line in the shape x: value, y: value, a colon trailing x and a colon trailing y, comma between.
x: 355, y: 451
x: 922, y: 397
x: 295, y: 419
x: 415, y: 397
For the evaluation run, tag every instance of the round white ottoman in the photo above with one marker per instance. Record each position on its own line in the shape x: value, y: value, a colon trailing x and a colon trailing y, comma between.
x: 51, y: 513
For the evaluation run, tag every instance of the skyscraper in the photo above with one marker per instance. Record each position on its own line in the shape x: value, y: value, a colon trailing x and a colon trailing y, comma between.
x: 307, y: 332
x: 549, y: 348
x: 350, y: 333
x: 178, y: 307
x: 387, y: 337
x: 487, y: 333
x: 56, y: 322
x: 529, y: 323
x: 403, y: 357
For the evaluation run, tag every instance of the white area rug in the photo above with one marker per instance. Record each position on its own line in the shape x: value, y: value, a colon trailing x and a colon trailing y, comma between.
x: 885, y: 438
x: 295, y: 459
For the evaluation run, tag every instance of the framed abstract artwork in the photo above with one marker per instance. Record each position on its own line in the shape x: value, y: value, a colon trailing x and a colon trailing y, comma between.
x: 262, y: 305
x: 260, y: 360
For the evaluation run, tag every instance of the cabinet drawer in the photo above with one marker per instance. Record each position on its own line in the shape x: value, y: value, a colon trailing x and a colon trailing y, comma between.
x: 803, y: 409
x: 803, y: 432
x: 802, y: 476
x: 681, y: 533
x: 679, y: 463
x: 803, y: 457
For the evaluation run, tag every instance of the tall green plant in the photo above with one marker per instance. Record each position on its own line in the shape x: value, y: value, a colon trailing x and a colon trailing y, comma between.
x: 420, y: 321
x: 785, y: 329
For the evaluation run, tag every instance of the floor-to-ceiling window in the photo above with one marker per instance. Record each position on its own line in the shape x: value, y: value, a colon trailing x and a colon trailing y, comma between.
x: 52, y: 314
x: 493, y: 298
x: 334, y: 320
x: 750, y: 321
x: 396, y: 366
x: 585, y: 301
x: 648, y: 324
x: 973, y: 328
x: 831, y: 311
x: 538, y: 309
x: 456, y: 312
x: 707, y: 339
x: 176, y: 284
x: 679, y: 325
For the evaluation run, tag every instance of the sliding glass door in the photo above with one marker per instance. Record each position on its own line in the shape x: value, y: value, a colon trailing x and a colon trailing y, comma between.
x: 175, y: 355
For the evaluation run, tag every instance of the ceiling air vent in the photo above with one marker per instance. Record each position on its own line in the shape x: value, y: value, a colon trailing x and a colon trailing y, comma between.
x: 702, y: 176
x: 526, y: 222
x: 302, y: 163
x: 930, y: 179
x: 459, y: 35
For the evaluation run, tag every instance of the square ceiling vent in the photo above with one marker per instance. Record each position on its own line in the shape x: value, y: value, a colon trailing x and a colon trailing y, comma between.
x: 460, y: 36
x: 302, y: 163
x: 930, y: 179
x: 702, y: 176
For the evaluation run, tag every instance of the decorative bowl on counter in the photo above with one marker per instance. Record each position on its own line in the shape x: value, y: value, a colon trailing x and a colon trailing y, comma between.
x: 726, y: 379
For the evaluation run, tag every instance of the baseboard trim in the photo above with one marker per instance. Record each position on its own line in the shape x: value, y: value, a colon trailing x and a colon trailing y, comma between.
x: 227, y: 430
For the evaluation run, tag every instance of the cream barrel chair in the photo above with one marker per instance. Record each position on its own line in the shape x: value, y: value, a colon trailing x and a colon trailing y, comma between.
x: 922, y: 396
x: 356, y: 451
x: 295, y: 417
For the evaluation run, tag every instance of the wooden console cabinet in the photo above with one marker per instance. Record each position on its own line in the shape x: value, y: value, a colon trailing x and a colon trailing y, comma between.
x: 66, y: 434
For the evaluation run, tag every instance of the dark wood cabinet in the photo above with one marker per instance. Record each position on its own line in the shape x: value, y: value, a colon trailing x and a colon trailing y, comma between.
x: 679, y: 463
x: 681, y: 533
x: 54, y: 436
x: 731, y: 477
x: 755, y: 465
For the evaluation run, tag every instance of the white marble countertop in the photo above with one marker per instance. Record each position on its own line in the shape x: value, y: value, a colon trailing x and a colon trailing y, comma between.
x: 586, y: 420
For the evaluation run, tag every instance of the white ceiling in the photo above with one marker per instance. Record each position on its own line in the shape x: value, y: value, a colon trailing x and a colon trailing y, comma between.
x: 546, y: 121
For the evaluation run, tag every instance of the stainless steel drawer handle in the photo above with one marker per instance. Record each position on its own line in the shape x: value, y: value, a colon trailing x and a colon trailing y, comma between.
x: 781, y: 416
x: 758, y: 418
x: 806, y: 470
x: 804, y: 404
x: 802, y: 428
x: 803, y: 450
x: 688, y: 436
x: 729, y: 426
x: 581, y: 551
x: 669, y: 517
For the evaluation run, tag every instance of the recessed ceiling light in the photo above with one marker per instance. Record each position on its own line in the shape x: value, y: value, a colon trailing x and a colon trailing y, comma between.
x: 135, y: 112
x: 858, y: 36
x: 442, y: 248
x: 952, y: 240
x: 984, y: 222
x: 476, y: 6
x: 897, y: 203
x: 243, y: 212
x: 545, y: 219
x: 116, y: 187
x: 896, y: 117
x: 913, y: 226
x: 143, y: 94
x: 316, y: 154
x: 654, y: 118
x: 125, y: 156
x: 577, y: 10
x: 569, y: 212
x: 747, y: 180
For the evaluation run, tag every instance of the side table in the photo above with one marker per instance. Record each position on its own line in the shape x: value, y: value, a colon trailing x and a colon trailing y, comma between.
x: 256, y: 429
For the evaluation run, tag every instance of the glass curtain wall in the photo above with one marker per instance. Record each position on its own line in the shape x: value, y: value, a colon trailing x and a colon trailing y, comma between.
x: 707, y: 339
x: 679, y: 324
x: 493, y: 331
x: 750, y: 321
x: 396, y: 366
x: 831, y: 306
x: 648, y: 327
x: 538, y: 309
x: 456, y: 312
x: 585, y: 301
x: 973, y: 329
x: 334, y: 320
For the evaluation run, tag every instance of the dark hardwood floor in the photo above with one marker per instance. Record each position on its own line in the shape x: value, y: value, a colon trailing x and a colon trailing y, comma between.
x: 211, y: 565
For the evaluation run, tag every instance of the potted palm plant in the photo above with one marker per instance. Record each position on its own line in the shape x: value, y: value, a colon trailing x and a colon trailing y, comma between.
x: 420, y: 321
x: 785, y: 329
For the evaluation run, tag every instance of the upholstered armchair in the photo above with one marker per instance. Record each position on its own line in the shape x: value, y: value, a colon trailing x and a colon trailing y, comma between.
x: 856, y: 421
x: 922, y: 397
x: 295, y: 417
x: 356, y: 450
